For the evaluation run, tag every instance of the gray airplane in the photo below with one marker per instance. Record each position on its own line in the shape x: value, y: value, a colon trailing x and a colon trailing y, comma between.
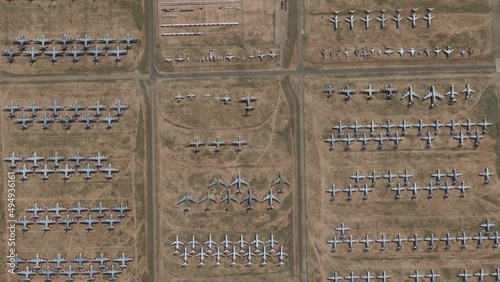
x: 121, y: 209
x: 12, y: 109
x: 396, y: 138
x: 95, y: 53
x: 342, y: 229
x: 334, y: 242
x: 448, y: 239
x: 45, y: 171
x: 239, y: 142
x: 329, y: 90
x: 382, y: 240
x: 486, y: 174
x: 78, y: 209
x: 468, y: 91
x: 463, y: 238
x: 24, y: 120
x: 112, y: 273
x: 484, y: 125
x: 58, y: 260
x: 186, y: 198
x: 32, y: 54
x: 413, y: 17
x: 462, y: 187
x: 43, y: 42
x: 89, y: 221
x: 57, y: 209
x: 22, y: 41
x: 53, y: 53
x: 77, y: 158
x: 91, y: 272
x: 428, y: 18
x: 87, y: 170
x: 398, y: 189
x: 428, y: 139
x: 11, y: 54
x: 24, y: 171
x: 75, y: 53
x: 119, y: 108
x: 452, y: 125
x: 64, y: 41
x: 366, y: 19
x: 460, y: 137
x: 12, y: 159
x: 487, y: 225
x: 399, y: 242
x: 270, y: 197
x: 196, y: 144
x: 67, y: 221
x: 239, y: 182
x: 218, y: 182
x: 347, y: 92
x: 109, y: 119
x: 414, y: 189
x: 106, y: 40
x: 100, y: 209
x: 46, y: 222
x: 87, y: 119
x: 333, y: 191
x: 248, y: 199
x: 118, y: 52
x: 27, y: 272
x: 111, y: 220
x: 35, y: 209
x: 99, y: 158
x: 66, y: 170
x: 85, y: 40
x: 25, y: 222
x: 128, y: 40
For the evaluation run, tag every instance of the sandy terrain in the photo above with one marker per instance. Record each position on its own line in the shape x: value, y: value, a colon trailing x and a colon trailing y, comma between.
x: 381, y: 213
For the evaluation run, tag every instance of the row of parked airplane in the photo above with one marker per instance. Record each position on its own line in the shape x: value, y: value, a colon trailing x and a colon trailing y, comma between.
x: 247, y: 100
x: 481, y: 274
x: 74, y: 52
x: 100, y: 209
x: 410, y: 95
x: 66, y: 170
x: 389, y: 51
x: 217, y: 144
x: 414, y: 239
x: 56, y: 158
x: 351, y: 276
x: 404, y: 125
x: 247, y: 249
x: 71, y: 271
x: 66, y: 121
x: 397, y: 18
x: 76, y: 108
x: 213, y: 57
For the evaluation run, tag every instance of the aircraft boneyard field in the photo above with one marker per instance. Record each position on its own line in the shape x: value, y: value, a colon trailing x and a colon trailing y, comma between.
x: 123, y: 144
x: 54, y: 19
x: 256, y: 26
x: 462, y: 25
x: 382, y: 214
x: 267, y: 131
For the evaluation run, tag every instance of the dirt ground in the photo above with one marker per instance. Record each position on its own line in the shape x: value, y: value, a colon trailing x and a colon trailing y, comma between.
x: 56, y: 18
x: 261, y: 28
x: 381, y: 213
x: 459, y: 25
x: 127, y: 185
x: 267, y: 131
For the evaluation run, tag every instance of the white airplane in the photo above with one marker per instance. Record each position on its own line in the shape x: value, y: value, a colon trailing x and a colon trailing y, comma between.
x: 75, y: 53
x: 111, y: 220
x: 433, y: 95
x: 97, y: 107
x: 218, y: 256
x: 486, y: 174
x: 384, y: 276
x: 24, y: 172
x: 335, y: 20
x: 87, y: 170
x: 428, y: 139
x: 468, y: 91
x: 210, y: 243
x: 67, y: 221
x: 347, y: 91
x: 416, y: 276
x: 57, y: 209
x: 484, y: 124
x: 78, y: 209
x: 257, y: 243
x: 91, y: 272
x: 25, y: 222
x: 351, y: 20
x: 100, y: 209
x: 32, y: 54
x: 281, y: 256
x: 14, y: 158
x: 109, y: 119
x: 452, y: 125
x: 177, y: 243
x: 35, y: 209
x: 397, y: 18
x: 99, y: 158
x: 89, y: 221
x: 117, y: 53
x: 413, y: 17
x: 54, y: 53
x: 119, y: 108
x: 121, y: 209
x: 128, y: 40
x: 12, y: 109
x: 410, y: 95
x: 66, y: 170
x: 112, y: 272
x: 185, y: 257
x: 123, y: 260
x: 465, y: 275
x: 58, y: 260
x: 429, y: 17
x: 366, y: 19
x: 106, y: 40
x: 382, y: 19
x: 109, y: 170
x: 46, y: 222
x: 27, y: 272
x: 202, y: 256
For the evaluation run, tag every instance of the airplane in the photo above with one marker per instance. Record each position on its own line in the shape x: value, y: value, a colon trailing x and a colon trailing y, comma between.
x: 429, y: 17
x: 384, y: 276
x: 484, y: 124
x: 479, y: 238
x: 388, y: 126
x: 430, y: 189
x: 452, y: 95
x: 416, y: 276
x: 339, y: 127
x: 464, y: 275
x: 414, y: 189
x: 12, y: 109
x: 121, y: 209
x: 476, y: 136
x: 128, y: 40
x: 413, y: 18
x: 22, y: 41
x: 371, y: 126
x: 368, y: 277
x: 380, y: 139
x: 452, y: 125
x: 239, y: 182
x: 24, y: 171
x: 431, y: 239
x: 90, y: 272
x: 454, y: 174
x: 404, y: 126
x: 218, y: 181
x: 347, y: 91
x: 36, y: 260
x: 97, y: 107
x: 411, y: 95
x: 357, y: 177
x: 178, y: 98
x: 280, y: 180
x: 109, y: 120
x: 415, y: 239
x: 34, y: 158
x: 342, y: 228
x: 335, y: 20
x: 226, y: 244
x: 351, y: 20
x: 401, y: 52
x: 468, y: 125
x: 210, y: 243
x: 106, y: 40
x: 32, y: 54
x: 95, y: 53
x: 186, y: 198
x: 495, y: 239
x: 45, y: 120
x: 486, y: 173
x: 438, y: 175
x: 396, y: 138
x: 462, y: 187
x: 14, y: 158
x: 481, y: 274
x: 85, y: 40
x: 47, y: 273
x: 389, y: 91
x: 468, y: 91
x: 264, y: 256
x: 54, y: 53
x: 412, y: 51
x: 123, y: 260
x: 348, y: 141
x: 390, y: 177
x: 364, y: 140
x: 270, y: 197
x: 46, y: 222
x: 77, y: 158
x: 202, y: 256
x: 351, y: 276
x: 43, y: 42
x: 99, y: 158
x: 334, y: 241
x: 428, y: 140
x: 109, y: 170
x: 366, y: 241
x: 373, y: 177
x: 247, y: 100
x: 55, y: 158
x: 272, y: 55
x: 89, y: 221
x: 217, y: 143
x: 117, y: 53
x: 75, y: 52
x: 229, y: 57
x: 65, y: 40
x: 249, y: 198
x: 433, y: 275
x: 35, y: 209
x: 332, y: 192
x: 388, y: 51
x: 100, y: 209
x: 271, y: 242
x: 398, y: 189
x: 87, y: 119
x: 196, y: 144
x: 87, y: 170
x: 460, y: 137
x: 487, y: 226
x: 397, y: 18
x: 57, y: 209
x: 184, y: 257
x: 369, y: 91
x: 399, y: 240
x: 233, y: 255
x: 226, y: 99
x: 111, y: 220
x: 433, y: 95
x: 67, y: 221
x: 180, y: 59
x: 356, y: 127
x: 27, y: 272
x: 217, y: 255
x: 329, y: 90
x: 66, y: 171
x: 496, y: 274
x: 281, y: 255
x: 463, y: 239
x: 177, y: 244
x: 58, y: 260
x: 382, y: 19
x: 446, y: 188
x: 366, y: 19
x: 349, y: 190
x: 78, y: 209
x: 24, y: 222
x: 420, y: 125
x: 448, y: 239
x: 382, y: 240
x: 261, y: 56
x: 112, y: 272
x: 437, y: 51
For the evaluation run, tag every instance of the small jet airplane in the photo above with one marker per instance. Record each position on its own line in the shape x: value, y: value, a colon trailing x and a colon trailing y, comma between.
x: 128, y: 40
x: 239, y: 182
x: 177, y: 243
x: 185, y: 257
x: 413, y: 17
x: 428, y: 17
x: 410, y: 95
x: 118, y: 52
x: 109, y: 119
x: 281, y: 256
x: 202, y: 256
x: 280, y: 180
x: 46, y: 222
x: 25, y: 222
x: 270, y: 197
x: 210, y: 243
x: 87, y: 170
x: 434, y: 96
x: 196, y: 144
x: 468, y: 91
x: 351, y: 20
x: 186, y: 198
x: 24, y: 171
x: 382, y: 19
x: 218, y: 256
x: 35, y: 209
x: 89, y: 221
x: 233, y: 255
x: 249, y: 198
x: 486, y: 174
x: 335, y: 20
